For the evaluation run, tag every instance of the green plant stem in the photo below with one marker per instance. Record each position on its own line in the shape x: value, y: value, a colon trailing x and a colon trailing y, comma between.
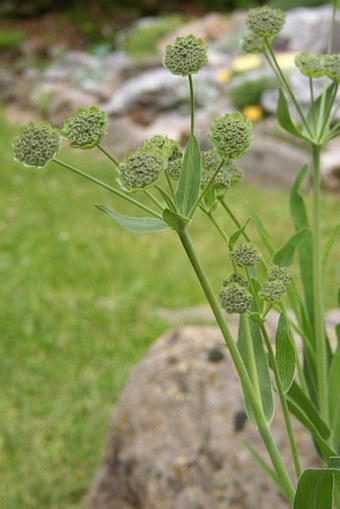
x: 263, y: 427
x: 233, y: 218
x: 192, y: 105
x: 154, y: 199
x: 218, y: 228
x: 327, y: 115
x: 319, y: 327
x: 107, y: 187
x: 283, y: 403
x: 252, y: 361
x: 332, y: 29
x: 271, y: 59
x: 108, y: 155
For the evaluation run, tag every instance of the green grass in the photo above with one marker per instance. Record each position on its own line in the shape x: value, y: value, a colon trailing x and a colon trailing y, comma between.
x: 76, y: 314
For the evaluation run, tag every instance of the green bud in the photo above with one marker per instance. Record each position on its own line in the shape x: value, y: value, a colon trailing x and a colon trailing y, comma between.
x: 36, y: 144
x: 186, y: 56
x: 235, y: 299
x: 245, y: 255
x: 331, y: 65
x: 272, y: 291
x: 171, y: 152
x: 279, y: 274
x: 86, y: 129
x: 310, y: 64
x: 236, y: 278
x: 252, y: 43
x: 140, y: 169
x: 231, y: 135
x: 265, y: 21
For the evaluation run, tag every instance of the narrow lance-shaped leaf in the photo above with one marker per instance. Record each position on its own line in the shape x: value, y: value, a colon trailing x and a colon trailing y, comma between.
x: 334, y: 400
x: 135, y: 224
x: 284, y: 256
x: 190, y: 178
x: 174, y: 220
x: 285, y: 354
x: 284, y: 118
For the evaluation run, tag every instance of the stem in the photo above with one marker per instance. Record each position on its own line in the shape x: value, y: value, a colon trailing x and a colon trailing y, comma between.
x: 107, y: 154
x: 252, y: 361
x: 107, y: 187
x: 332, y: 29
x: 264, y: 429
x: 153, y: 199
x: 218, y: 228
x: 192, y: 105
x: 234, y: 218
x: 319, y: 330
x: 283, y: 402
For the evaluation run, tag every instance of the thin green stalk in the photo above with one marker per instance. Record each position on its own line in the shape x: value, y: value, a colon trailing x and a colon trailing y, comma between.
x: 218, y: 228
x: 332, y: 29
x: 233, y: 218
x: 108, y: 155
x: 205, y: 188
x: 154, y: 199
x: 192, y: 105
x: 283, y: 402
x: 271, y: 59
x: 252, y: 361
x: 326, y: 116
x: 319, y: 327
x: 107, y: 187
x: 263, y: 427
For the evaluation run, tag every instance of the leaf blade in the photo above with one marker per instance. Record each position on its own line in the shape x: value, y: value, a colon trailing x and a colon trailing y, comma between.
x: 190, y: 178
x: 135, y: 224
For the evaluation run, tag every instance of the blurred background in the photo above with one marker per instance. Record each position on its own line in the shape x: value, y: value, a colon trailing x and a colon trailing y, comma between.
x: 81, y: 300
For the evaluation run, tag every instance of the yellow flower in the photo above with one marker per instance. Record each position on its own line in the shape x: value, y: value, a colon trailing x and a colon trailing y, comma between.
x: 223, y: 76
x: 253, y: 112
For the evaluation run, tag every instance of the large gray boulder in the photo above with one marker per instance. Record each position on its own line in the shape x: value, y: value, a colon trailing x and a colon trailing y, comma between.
x: 177, y: 435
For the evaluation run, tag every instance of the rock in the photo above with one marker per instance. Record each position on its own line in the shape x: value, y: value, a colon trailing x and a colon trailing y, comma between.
x: 177, y: 435
x: 307, y: 29
x: 330, y: 167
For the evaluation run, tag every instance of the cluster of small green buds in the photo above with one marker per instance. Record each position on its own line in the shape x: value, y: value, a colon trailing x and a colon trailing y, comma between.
x: 231, y: 135
x: 245, y: 255
x: 86, y: 129
x: 280, y: 274
x: 331, y: 65
x: 272, y: 291
x: 140, y: 169
x: 235, y: 299
x: 275, y: 288
x: 36, y: 144
x: 171, y: 152
x: 227, y: 174
x: 175, y: 162
x: 236, y: 278
x: 310, y: 64
x: 265, y: 21
x: 252, y: 43
x: 186, y: 56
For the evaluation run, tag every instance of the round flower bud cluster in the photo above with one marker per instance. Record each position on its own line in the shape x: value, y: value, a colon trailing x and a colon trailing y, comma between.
x: 235, y: 299
x: 252, y: 43
x: 175, y: 162
x: 272, y: 291
x: 86, y: 129
x: 236, y: 278
x: 280, y: 274
x: 310, y: 64
x: 36, y: 144
x: 231, y: 135
x: 140, y: 169
x: 265, y: 21
x: 228, y: 173
x: 186, y: 56
x: 171, y: 152
x: 331, y: 65
x: 245, y: 255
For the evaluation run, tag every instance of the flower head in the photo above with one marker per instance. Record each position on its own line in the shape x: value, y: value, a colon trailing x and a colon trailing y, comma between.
x: 331, y: 65
x: 140, y: 169
x: 236, y: 278
x: 279, y: 274
x: 235, y: 299
x: 228, y: 173
x: 253, y: 43
x: 86, y: 129
x: 272, y: 291
x: 231, y: 135
x: 171, y: 152
x: 36, y: 144
x: 245, y: 255
x: 265, y: 21
x: 186, y: 56
x: 310, y: 64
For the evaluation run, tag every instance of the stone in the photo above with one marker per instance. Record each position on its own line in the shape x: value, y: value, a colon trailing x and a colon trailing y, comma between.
x: 177, y: 435
x: 330, y: 166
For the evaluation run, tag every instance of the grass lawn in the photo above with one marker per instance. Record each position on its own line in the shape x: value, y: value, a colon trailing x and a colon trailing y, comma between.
x: 77, y: 297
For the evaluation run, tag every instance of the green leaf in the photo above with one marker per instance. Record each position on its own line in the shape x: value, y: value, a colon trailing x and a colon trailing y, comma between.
x: 284, y: 118
x: 284, y: 256
x: 174, y: 220
x: 135, y: 224
x: 334, y: 400
x: 190, y: 178
x: 262, y: 231
x: 315, y: 489
x: 329, y: 244
x: 237, y: 234
x: 264, y: 465
x: 261, y: 376
x: 285, y: 354
x: 319, y: 109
